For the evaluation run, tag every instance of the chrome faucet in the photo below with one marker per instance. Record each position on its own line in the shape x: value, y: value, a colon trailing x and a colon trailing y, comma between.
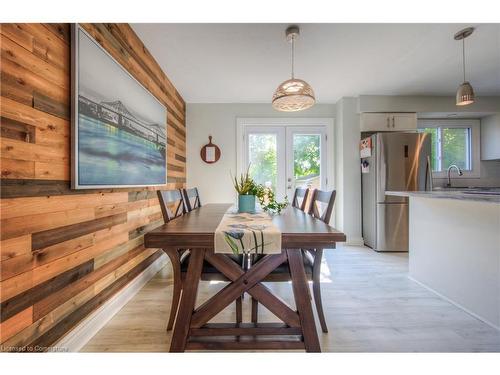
x: 460, y: 173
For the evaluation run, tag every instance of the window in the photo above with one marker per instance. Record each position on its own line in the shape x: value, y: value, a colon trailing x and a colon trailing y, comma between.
x: 453, y: 142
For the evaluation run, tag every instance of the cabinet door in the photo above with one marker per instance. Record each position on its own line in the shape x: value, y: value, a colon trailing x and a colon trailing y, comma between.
x: 375, y: 122
x: 403, y: 121
x: 490, y: 137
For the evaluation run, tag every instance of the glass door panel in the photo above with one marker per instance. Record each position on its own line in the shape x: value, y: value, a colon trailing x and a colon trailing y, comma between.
x: 307, y: 160
x: 263, y: 158
x: 264, y: 155
x: 306, y: 150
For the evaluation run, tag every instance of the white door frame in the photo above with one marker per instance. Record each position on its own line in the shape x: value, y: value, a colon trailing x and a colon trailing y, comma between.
x: 300, y: 123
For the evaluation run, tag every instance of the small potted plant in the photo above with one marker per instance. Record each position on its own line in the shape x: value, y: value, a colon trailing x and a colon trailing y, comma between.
x: 248, y: 191
x: 246, y: 188
x: 268, y: 201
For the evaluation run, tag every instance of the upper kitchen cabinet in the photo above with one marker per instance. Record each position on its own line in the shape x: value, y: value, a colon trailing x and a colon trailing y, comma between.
x: 388, y: 121
x: 490, y: 137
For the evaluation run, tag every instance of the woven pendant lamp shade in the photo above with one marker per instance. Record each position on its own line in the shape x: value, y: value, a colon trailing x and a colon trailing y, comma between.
x: 465, y: 94
x: 293, y: 94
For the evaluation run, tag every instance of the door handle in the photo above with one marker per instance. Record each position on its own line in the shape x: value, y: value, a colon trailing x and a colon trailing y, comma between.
x: 289, y: 187
x: 393, y: 122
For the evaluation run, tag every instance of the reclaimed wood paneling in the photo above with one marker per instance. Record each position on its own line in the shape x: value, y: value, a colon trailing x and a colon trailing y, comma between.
x: 15, y: 247
x: 17, y: 130
x: 49, y: 303
x: 17, y: 303
x: 15, y: 324
x: 25, y: 83
x: 65, y: 252
x: 37, y: 258
x: 68, y: 322
x: 17, y: 168
x: 18, y: 54
x: 46, y: 123
x: 54, y: 236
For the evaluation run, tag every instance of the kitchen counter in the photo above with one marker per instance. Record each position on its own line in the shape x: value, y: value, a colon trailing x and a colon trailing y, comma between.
x: 489, y: 195
x: 454, y: 246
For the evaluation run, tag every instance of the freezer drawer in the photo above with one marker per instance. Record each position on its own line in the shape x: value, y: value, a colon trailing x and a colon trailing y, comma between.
x: 392, y: 227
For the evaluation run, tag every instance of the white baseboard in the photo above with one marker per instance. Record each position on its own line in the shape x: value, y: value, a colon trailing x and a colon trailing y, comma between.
x: 454, y: 303
x: 357, y: 241
x: 76, y: 339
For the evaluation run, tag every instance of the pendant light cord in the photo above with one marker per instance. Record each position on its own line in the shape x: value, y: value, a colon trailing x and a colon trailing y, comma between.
x: 463, y: 56
x: 293, y: 51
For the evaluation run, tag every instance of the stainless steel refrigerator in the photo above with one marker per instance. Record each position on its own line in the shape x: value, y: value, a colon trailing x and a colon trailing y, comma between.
x: 398, y: 162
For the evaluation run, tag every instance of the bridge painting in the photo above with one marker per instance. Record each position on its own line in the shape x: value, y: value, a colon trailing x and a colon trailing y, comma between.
x: 120, y: 126
x: 117, y: 115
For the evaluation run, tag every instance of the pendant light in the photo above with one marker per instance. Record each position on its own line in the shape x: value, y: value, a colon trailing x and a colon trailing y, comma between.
x: 465, y: 93
x: 294, y: 94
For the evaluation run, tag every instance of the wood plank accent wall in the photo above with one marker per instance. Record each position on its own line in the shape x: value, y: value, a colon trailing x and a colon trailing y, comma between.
x: 65, y: 252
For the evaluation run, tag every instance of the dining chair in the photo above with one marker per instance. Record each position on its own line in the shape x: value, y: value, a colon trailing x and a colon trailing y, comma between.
x: 173, y: 206
x: 300, y: 198
x: 191, y: 195
x: 321, y: 207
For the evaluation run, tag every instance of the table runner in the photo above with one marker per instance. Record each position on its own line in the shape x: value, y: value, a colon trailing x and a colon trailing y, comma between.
x: 245, y: 233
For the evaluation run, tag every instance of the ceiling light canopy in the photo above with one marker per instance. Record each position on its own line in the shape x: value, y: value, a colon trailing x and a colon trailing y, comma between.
x: 465, y: 92
x: 294, y: 94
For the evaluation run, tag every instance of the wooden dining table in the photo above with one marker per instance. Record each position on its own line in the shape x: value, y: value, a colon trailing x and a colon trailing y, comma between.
x: 192, y: 331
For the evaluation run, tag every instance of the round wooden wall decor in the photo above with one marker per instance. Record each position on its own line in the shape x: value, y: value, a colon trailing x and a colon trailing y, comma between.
x: 210, y: 153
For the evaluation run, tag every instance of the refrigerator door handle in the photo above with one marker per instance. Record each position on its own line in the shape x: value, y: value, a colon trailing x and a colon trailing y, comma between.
x: 428, y: 175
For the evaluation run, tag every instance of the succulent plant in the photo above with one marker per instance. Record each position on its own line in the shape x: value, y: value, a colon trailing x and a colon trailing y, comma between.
x: 245, y: 185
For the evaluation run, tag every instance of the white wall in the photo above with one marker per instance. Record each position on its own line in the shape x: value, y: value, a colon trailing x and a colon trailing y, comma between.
x: 219, y: 120
x: 425, y: 104
x: 347, y: 170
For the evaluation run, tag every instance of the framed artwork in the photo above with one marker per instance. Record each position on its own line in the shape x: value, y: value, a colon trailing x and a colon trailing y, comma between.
x: 119, y: 132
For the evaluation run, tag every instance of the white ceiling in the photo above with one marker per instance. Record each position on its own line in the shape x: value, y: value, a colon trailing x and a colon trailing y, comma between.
x: 244, y: 63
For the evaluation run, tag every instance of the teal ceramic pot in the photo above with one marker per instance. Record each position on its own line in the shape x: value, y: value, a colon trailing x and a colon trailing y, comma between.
x: 246, y: 203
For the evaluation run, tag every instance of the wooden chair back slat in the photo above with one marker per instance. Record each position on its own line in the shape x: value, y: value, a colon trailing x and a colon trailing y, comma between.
x: 300, y: 198
x: 191, y: 195
x: 321, y: 206
x: 171, y: 203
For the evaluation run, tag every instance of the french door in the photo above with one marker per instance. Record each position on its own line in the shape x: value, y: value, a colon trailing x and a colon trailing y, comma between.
x: 285, y: 157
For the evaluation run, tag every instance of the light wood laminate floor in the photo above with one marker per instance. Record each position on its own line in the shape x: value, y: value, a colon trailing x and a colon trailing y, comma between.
x: 370, y: 304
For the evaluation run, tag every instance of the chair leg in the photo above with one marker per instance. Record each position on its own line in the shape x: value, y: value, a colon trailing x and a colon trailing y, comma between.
x: 176, y: 296
x: 239, y: 311
x: 255, y: 310
x: 317, y: 290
